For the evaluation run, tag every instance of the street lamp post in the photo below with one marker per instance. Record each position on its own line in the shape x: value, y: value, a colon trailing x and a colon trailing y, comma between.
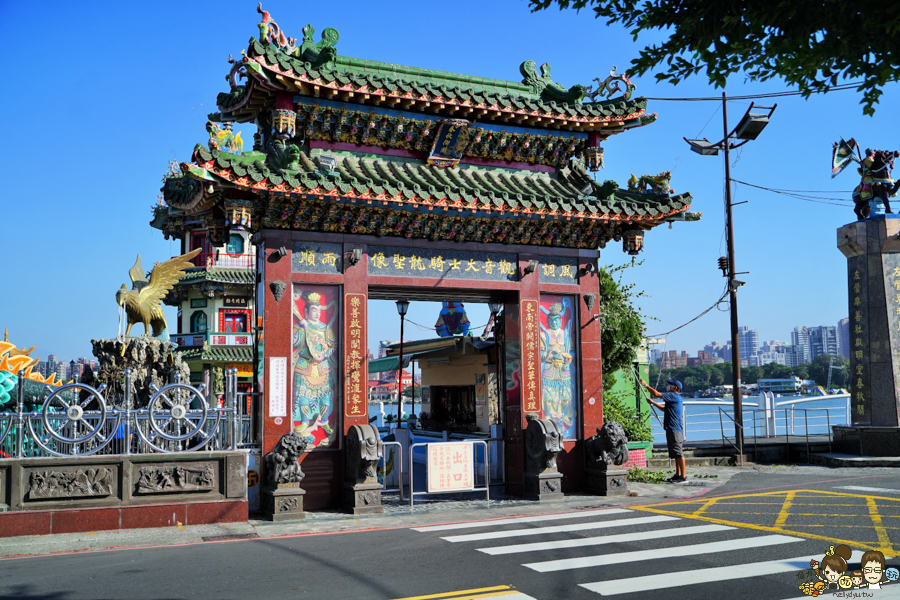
x: 402, y: 307
x: 749, y: 128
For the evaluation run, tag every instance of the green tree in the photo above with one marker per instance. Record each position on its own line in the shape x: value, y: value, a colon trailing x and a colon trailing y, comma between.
x: 408, y: 392
x: 621, y: 325
x: 818, y: 370
x: 810, y: 44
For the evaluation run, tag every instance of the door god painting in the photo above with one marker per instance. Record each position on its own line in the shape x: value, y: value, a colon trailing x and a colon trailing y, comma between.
x: 315, y: 355
x: 558, y: 363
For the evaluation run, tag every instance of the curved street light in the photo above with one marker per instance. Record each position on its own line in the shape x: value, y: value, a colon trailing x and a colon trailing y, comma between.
x: 749, y: 128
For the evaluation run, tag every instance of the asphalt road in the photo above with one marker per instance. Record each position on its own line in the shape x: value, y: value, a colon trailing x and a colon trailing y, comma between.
x: 750, y: 538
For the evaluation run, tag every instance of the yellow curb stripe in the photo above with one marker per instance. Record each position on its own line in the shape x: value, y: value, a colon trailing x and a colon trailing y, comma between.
x: 877, y: 523
x: 455, y: 595
x: 756, y: 527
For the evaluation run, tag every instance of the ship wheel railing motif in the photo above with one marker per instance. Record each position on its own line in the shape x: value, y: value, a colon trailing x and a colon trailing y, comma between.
x: 79, y: 420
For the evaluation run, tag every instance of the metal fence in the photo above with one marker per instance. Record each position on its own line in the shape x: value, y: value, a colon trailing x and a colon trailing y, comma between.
x: 764, y: 419
x: 76, y: 420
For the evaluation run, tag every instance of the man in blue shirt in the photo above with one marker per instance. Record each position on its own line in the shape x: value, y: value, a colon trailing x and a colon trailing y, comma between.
x: 672, y: 406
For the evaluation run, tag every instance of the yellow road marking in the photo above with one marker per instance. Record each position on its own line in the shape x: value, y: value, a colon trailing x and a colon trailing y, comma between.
x: 785, y: 508
x: 757, y: 527
x: 473, y: 593
x: 883, y: 538
x: 707, y: 507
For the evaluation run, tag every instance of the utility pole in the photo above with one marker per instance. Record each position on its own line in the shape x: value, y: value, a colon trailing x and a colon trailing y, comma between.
x: 749, y: 127
x: 732, y: 295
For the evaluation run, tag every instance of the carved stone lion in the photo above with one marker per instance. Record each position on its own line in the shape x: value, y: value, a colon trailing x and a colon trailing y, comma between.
x: 609, y: 446
x: 282, y: 464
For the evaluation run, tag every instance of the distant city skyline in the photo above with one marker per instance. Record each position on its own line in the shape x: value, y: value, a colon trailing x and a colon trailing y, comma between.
x: 807, y: 342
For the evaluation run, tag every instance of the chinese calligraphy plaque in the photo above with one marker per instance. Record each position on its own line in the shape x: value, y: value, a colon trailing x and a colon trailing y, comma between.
x: 558, y: 270
x: 858, y: 280
x: 531, y: 358
x: 450, y: 143
x: 316, y: 257
x: 441, y: 264
x: 355, y: 356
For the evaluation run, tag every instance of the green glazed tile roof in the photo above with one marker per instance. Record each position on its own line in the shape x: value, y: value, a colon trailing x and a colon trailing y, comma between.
x: 241, y: 354
x: 571, y: 194
x: 218, y: 275
x: 269, y: 67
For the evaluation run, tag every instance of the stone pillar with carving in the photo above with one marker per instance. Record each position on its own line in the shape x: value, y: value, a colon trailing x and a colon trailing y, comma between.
x: 282, y: 496
x: 605, y: 452
x: 362, y: 492
x: 872, y: 248
x: 543, y: 442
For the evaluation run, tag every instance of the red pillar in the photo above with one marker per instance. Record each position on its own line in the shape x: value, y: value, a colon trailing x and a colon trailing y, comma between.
x: 591, y: 352
x: 355, y: 346
x: 277, y: 327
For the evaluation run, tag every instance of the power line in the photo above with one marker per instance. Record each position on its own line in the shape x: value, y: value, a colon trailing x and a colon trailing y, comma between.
x: 799, y: 196
x: 715, y: 304
x: 836, y: 88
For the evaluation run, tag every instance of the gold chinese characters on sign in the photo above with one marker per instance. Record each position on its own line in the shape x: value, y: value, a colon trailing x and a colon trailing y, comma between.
x: 531, y: 361
x: 316, y: 257
x: 858, y: 351
x: 441, y: 264
x: 356, y: 359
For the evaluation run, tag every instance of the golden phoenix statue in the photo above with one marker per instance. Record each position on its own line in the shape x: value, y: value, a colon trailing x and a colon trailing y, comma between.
x: 143, y: 303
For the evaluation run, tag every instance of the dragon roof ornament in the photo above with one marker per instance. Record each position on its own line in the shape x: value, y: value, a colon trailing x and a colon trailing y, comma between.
x: 611, y: 86
x: 546, y: 88
x: 318, y: 53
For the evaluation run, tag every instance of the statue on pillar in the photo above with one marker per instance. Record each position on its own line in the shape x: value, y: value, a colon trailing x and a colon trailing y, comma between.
x: 875, y: 169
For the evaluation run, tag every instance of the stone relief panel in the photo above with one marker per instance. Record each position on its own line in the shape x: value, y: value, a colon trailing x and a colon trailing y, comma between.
x: 70, y: 483
x: 164, y: 479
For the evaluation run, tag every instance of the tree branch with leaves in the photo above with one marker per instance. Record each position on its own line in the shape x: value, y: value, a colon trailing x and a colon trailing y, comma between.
x: 811, y: 45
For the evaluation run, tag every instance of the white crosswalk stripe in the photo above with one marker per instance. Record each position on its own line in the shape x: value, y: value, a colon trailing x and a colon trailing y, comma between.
x: 605, y: 539
x: 680, y: 551
x: 582, y: 514
x: 496, y: 535
x: 632, y: 531
x: 859, y: 488
x: 697, y: 576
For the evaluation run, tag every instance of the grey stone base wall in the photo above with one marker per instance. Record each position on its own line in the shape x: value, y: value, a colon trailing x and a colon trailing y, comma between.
x: 120, y: 480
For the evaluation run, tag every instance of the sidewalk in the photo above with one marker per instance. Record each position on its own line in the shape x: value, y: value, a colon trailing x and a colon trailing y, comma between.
x: 428, y: 510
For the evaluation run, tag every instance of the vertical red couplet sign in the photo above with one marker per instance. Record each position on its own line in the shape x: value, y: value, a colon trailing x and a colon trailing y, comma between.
x: 531, y: 358
x: 355, y: 356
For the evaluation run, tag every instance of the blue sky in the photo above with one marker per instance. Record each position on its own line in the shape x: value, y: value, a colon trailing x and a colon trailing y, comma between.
x: 99, y: 97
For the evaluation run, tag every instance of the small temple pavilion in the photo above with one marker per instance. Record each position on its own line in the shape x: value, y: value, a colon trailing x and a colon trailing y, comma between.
x: 369, y: 180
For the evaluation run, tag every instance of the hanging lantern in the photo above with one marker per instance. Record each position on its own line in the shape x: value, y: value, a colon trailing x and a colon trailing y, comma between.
x: 633, y: 242
x: 593, y: 158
